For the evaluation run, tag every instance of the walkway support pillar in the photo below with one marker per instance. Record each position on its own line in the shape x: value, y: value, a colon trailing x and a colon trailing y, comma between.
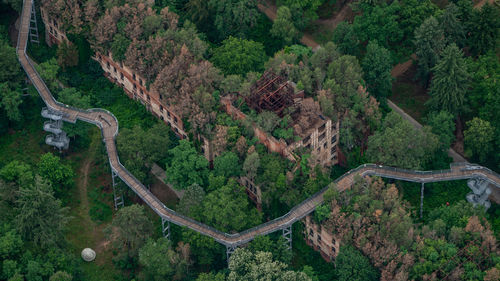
x: 287, y: 234
x: 118, y: 198
x: 422, y: 199
x: 165, y: 228
x: 33, y: 29
x: 229, y: 251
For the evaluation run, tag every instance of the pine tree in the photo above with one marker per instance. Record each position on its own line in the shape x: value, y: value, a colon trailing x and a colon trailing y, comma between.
x: 450, y: 81
x: 453, y: 28
x: 377, y: 70
x: 429, y: 42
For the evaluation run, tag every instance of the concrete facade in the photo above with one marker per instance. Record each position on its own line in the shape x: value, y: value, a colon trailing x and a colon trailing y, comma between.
x: 321, y: 239
x: 53, y: 33
x: 253, y: 191
x: 135, y: 87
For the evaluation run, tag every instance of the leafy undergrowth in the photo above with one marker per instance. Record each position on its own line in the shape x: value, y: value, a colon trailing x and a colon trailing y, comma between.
x: 410, y: 95
x: 435, y: 195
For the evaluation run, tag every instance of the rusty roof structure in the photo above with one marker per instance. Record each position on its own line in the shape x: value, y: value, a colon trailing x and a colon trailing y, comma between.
x: 271, y: 92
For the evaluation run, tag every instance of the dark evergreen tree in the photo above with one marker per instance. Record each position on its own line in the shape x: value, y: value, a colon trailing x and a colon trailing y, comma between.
x: 377, y: 70
x: 429, y: 43
x: 450, y: 81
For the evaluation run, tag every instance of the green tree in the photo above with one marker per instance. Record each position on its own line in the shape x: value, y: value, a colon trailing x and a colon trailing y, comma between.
x: 139, y: 149
x: 251, y: 165
x: 234, y: 17
x: 429, y: 43
x: 119, y: 46
x: 129, y: 231
x: 379, y: 21
x: 48, y: 71
x: 11, y: 243
x: 17, y: 172
x: 303, y: 11
x: 479, y: 139
x: 206, y: 251
x: 454, y: 30
x: 346, y: 39
x: 58, y: 174
x: 211, y: 277
x: 279, y: 249
x: 227, y: 165
x: 227, y: 208
x: 283, y: 26
x: 40, y: 217
x: 67, y: 55
x: 239, y: 56
x: 247, y: 266
x: 73, y: 97
x: 483, y: 29
x: 161, y: 262
x: 15, y: 4
x: 399, y: 144
x: 377, y: 70
x: 10, y: 100
x: 442, y: 125
x: 353, y: 266
x: 190, y: 203
x: 9, y: 66
x: 186, y: 166
x: 61, y: 276
x: 450, y: 81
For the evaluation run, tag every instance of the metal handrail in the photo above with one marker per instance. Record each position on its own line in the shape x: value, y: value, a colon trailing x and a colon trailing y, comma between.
x: 236, y: 239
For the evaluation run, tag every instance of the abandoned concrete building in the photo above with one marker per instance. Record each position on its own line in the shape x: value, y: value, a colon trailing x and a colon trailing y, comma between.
x: 135, y: 87
x: 313, y: 131
x: 53, y: 33
x: 321, y: 238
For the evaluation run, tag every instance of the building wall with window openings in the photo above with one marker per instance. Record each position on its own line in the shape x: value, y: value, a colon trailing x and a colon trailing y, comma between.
x: 135, y: 87
x: 321, y: 238
x: 53, y: 31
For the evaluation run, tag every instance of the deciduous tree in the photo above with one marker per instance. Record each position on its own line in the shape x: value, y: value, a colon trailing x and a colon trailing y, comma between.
x: 399, y: 144
x: 346, y: 39
x: 246, y: 266
x: 58, y: 174
x: 129, y: 231
x: 283, y: 26
x: 239, y: 56
x: 161, y: 262
x: 186, y: 166
x: 352, y: 265
x: 479, y: 138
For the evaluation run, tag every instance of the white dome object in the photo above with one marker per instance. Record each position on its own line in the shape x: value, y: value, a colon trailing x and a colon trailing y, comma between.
x: 88, y: 254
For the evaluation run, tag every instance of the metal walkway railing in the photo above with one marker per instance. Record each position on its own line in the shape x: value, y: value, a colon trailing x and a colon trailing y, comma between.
x: 108, y: 124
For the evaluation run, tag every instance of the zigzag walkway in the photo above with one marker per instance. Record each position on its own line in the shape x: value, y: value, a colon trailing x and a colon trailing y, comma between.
x: 108, y: 124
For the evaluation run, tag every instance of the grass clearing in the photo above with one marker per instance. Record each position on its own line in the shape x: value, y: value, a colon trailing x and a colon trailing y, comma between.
x: 435, y: 195
x: 85, y: 230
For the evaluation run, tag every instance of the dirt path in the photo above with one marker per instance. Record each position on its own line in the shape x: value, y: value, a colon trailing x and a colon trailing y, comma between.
x: 332, y: 23
x: 82, y: 187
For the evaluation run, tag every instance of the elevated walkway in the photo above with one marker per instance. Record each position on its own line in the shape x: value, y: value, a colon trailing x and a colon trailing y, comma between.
x: 108, y: 124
